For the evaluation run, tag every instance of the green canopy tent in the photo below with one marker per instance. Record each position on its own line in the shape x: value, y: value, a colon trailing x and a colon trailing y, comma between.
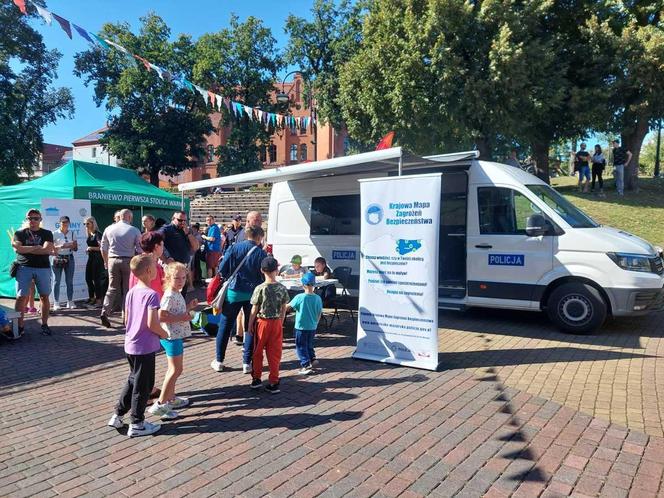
x: 108, y: 188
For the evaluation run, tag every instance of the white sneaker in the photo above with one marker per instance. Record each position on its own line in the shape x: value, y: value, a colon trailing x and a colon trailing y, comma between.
x: 246, y: 368
x: 217, y: 366
x: 306, y: 370
x: 56, y: 306
x: 71, y: 305
x: 142, y: 429
x: 163, y: 411
x: 178, y: 402
x: 116, y: 421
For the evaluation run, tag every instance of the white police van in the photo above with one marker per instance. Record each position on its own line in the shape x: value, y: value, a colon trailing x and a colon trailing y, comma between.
x: 507, y: 239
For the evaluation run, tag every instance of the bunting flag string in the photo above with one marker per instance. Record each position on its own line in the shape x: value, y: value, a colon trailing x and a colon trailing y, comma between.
x: 236, y: 109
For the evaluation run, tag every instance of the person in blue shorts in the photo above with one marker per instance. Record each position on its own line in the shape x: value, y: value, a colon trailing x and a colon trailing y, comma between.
x: 308, y: 307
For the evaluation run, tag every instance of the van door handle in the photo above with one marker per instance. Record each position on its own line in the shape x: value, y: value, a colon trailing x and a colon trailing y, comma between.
x: 484, y: 246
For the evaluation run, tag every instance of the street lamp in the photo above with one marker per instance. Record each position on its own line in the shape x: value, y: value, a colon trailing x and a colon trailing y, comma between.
x: 283, y: 98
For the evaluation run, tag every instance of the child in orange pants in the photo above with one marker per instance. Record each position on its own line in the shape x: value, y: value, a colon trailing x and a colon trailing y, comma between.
x: 267, y: 317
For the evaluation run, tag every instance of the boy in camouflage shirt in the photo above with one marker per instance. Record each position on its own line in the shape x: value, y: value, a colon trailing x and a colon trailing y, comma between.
x: 267, y: 317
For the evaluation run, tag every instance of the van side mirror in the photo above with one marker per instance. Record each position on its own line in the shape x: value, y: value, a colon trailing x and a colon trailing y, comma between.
x: 537, y: 225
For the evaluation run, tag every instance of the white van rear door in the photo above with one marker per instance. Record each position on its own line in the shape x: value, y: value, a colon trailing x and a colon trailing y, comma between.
x: 504, y: 264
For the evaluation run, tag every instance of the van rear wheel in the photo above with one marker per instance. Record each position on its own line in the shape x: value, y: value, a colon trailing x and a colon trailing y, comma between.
x: 576, y: 308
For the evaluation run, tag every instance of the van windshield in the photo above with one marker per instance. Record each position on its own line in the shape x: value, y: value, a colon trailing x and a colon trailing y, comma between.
x: 568, y: 211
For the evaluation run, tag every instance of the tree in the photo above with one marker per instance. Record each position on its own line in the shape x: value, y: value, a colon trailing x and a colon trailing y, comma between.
x: 451, y: 74
x: 154, y: 125
x: 632, y: 37
x: 319, y: 47
x: 240, y: 62
x: 28, y: 101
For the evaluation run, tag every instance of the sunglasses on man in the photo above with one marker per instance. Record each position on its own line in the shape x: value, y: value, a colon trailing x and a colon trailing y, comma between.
x: 33, y: 218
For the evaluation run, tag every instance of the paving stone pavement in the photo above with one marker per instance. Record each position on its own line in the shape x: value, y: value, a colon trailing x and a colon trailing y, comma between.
x: 354, y: 429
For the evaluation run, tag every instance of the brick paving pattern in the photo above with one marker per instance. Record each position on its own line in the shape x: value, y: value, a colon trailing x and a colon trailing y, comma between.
x: 476, y: 428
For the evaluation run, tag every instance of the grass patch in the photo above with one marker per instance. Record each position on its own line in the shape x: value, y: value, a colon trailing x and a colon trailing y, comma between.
x: 640, y: 213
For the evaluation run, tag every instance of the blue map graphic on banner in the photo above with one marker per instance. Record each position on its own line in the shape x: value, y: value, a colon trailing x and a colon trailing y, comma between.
x: 405, y: 246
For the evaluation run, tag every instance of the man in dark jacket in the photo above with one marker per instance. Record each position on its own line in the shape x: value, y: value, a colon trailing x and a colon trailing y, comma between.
x: 240, y: 289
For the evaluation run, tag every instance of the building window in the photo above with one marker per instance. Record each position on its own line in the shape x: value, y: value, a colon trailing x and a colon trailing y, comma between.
x: 205, y: 176
x: 293, y: 153
x: 293, y: 130
x: 273, y: 153
x: 303, y: 128
x: 210, y: 153
x: 303, y: 152
x: 335, y: 215
x: 94, y: 152
x: 262, y: 153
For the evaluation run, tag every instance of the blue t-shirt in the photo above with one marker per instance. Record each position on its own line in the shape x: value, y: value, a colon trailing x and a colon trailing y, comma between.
x: 214, y: 231
x: 308, y: 307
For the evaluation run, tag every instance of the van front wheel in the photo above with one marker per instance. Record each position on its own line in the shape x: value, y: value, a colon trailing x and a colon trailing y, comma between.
x: 576, y: 308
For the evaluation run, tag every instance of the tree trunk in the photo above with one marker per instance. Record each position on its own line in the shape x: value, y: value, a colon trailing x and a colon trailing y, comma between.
x: 154, y: 176
x: 484, y: 148
x: 541, y: 156
x: 633, y: 141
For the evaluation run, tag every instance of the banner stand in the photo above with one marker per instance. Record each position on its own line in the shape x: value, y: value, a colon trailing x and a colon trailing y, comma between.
x: 398, y: 303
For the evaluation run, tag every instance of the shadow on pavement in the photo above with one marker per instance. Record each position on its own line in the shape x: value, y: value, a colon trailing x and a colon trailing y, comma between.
x: 291, y: 421
x: 622, y: 332
x: 505, y: 357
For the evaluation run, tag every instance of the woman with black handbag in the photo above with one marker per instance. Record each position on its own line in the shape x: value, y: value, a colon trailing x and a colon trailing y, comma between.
x: 65, y: 245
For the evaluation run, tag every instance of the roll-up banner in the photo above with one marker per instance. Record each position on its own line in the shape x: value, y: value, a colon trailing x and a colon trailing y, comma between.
x: 77, y: 210
x: 398, y: 315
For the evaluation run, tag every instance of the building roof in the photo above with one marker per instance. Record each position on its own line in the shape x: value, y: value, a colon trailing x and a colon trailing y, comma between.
x: 379, y: 160
x: 91, y: 138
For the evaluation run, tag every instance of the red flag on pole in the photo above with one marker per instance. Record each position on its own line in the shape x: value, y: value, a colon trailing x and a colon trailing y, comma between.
x: 386, y: 141
x: 21, y: 6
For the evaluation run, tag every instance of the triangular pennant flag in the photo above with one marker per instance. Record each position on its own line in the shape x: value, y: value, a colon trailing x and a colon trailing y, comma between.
x: 101, y: 41
x: 238, y: 109
x: 83, y: 33
x: 249, y: 111
x: 118, y: 46
x: 46, y: 15
x: 227, y: 103
x: 64, y: 24
x: 219, y: 100
x: 212, y: 99
x: 161, y: 72
x: 145, y: 62
x: 187, y: 84
x: 21, y: 6
x: 166, y: 75
x: 203, y: 92
x: 386, y: 141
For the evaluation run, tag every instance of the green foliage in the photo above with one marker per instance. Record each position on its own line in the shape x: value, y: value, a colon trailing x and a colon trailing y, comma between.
x: 240, y: 62
x: 155, y: 126
x: 320, y: 46
x: 648, y: 153
x: 28, y: 101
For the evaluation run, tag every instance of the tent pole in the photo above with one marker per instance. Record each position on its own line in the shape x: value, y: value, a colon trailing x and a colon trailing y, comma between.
x: 182, y: 200
x: 400, y: 162
x: 141, y: 212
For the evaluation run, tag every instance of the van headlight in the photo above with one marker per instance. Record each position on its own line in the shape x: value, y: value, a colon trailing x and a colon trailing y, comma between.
x: 631, y: 262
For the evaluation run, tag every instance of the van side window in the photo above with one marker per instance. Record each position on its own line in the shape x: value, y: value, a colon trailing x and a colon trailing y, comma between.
x: 335, y: 215
x: 503, y: 211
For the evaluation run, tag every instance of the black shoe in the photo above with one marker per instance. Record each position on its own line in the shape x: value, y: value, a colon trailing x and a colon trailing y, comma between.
x: 105, y: 321
x: 256, y: 384
x: 238, y: 340
x: 46, y: 330
x: 273, y: 388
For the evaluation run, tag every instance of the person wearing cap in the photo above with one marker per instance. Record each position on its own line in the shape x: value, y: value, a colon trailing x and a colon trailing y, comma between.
x: 294, y: 270
x: 232, y: 232
x: 308, y: 307
x: 266, y: 322
x: 245, y: 257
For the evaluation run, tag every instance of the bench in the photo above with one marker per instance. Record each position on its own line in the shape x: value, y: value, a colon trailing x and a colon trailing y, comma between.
x: 13, y: 316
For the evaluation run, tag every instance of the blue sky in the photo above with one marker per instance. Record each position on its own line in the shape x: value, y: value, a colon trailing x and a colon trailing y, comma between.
x: 194, y: 18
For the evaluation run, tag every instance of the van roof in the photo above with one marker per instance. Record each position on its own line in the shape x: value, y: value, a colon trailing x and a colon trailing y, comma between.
x: 379, y: 160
